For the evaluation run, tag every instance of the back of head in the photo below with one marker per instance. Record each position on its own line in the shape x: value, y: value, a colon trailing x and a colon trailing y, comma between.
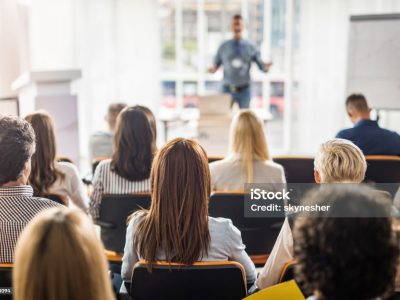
x: 177, y: 221
x: 17, y: 144
x: 59, y: 257
x: 340, y: 160
x: 113, y: 111
x: 247, y: 141
x: 134, y: 144
x: 43, y: 173
x: 357, y: 103
x: 346, y: 258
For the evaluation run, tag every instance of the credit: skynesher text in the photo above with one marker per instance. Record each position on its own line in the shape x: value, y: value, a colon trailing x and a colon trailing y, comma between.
x: 289, y: 208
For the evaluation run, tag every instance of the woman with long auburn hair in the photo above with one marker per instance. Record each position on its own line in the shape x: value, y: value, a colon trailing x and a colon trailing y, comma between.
x: 128, y: 170
x: 248, y: 160
x: 59, y: 257
x: 177, y: 227
x: 48, y: 176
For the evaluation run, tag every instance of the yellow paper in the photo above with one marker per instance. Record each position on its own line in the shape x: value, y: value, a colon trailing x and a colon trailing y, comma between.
x: 283, y: 291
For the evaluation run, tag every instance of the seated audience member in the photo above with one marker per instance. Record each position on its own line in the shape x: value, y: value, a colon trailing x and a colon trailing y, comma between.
x: 366, y: 133
x: 177, y: 227
x: 17, y: 204
x: 49, y: 177
x: 128, y: 170
x: 59, y: 257
x: 346, y: 258
x: 100, y: 144
x: 248, y: 159
x: 337, y: 161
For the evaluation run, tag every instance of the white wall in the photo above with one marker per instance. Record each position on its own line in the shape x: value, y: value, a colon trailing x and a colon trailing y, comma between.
x: 13, y: 44
x: 323, y: 63
x: 114, y: 43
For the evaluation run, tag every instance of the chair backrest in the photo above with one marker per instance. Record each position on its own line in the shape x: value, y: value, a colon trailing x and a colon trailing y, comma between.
x: 297, y: 169
x: 383, y: 169
x: 6, y: 281
x: 258, y: 234
x: 287, y: 272
x: 114, y: 212
x: 203, y: 280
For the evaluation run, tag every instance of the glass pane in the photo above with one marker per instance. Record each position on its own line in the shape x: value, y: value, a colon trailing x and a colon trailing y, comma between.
x: 190, y: 94
x: 167, y: 33
x: 168, y: 94
x: 256, y: 95
x: 189, y: 35
x: 278, y: 15
x: 255, y: 22
x: 213, y: 87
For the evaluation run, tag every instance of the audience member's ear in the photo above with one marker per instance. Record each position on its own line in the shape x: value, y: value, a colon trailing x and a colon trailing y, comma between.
x: 317, y: 177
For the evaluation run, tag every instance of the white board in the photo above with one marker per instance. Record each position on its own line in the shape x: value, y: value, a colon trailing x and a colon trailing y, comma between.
x: 374, y: 59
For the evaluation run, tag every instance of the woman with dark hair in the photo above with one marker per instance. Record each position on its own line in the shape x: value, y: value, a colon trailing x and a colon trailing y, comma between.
x: 128, y: 170
x: 48, y: 176
x: 177, y: 227
x: 351, y: 257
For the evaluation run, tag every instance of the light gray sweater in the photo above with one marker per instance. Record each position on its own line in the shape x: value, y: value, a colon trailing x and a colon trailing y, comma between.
x: 226, y: 244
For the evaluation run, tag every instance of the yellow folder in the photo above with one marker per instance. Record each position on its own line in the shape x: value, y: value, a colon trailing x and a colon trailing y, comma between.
x: 284, y: 291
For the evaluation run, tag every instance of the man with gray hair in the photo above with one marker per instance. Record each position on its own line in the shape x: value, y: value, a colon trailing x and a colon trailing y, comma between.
x: 17, y: 204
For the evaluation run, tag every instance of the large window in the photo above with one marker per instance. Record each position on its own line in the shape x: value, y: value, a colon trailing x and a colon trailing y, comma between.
x: 191, y: 32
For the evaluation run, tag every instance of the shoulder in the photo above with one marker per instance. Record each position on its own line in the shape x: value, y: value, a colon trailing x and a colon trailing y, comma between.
x: 390, y: 132
x: 44, y: 203
x: 345, y: 133
x: 225, y: 44
x: 272, y: 165
x: 104, y: 165
x: 67, y: 168
x: 250, y: 45
x: 136, y: 218
x: 220, y: 224
x: 222, y: 164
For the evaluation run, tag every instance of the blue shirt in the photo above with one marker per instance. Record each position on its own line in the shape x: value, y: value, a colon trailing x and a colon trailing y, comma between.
x: 236, y: 57
x: 372, y: 139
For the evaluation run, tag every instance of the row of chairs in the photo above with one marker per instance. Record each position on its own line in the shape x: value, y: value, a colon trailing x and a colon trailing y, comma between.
x: 299, y: 169
x: 259, y: 234
x: 202, y: 280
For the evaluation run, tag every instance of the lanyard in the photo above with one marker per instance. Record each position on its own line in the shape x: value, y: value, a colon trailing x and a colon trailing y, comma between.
x: 237, y: 47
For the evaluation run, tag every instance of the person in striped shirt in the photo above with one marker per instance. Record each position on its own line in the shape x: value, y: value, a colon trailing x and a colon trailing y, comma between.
x: 128, y: 170
x: 17, y: 204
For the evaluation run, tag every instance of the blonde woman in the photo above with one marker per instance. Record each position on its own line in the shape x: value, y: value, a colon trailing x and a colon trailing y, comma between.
x: 337, y: 161
x: 59, y: 257
x: 248, y: 160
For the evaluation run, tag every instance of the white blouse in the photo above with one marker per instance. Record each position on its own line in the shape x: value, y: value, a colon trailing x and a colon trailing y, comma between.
x: 227, y: 174
x: 70, y: 187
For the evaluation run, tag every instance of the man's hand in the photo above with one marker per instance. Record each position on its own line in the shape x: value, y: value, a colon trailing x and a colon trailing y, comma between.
x: 212, y: 69
x: 267, y: 66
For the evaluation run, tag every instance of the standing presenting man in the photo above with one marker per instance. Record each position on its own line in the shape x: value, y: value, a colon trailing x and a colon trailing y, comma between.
x: 236, y: 56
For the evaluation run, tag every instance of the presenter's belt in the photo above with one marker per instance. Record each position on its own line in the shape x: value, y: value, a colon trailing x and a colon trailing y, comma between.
x: 236, y: 89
